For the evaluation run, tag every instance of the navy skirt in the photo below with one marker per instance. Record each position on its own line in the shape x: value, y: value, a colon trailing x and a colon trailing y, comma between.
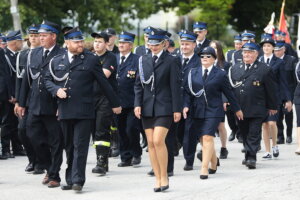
x: 298, y: 114
x: 151, y: 122
x: 272, y: 117
x: 205, y: 126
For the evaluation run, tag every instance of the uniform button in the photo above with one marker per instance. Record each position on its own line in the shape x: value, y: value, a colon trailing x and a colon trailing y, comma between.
x: 69, y: 88
x: 243, y: 85
x: 70, y: 96
x: 153, y: 95
x: 70, y: 79
x: 70, y: 70
x: 181, y: 87
x: 40, y: 90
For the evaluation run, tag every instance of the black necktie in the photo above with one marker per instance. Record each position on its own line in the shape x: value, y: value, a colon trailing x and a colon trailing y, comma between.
x: 73, y: 58
x: 185, y: 61
x: 268, y: 61
x: 205, y: 74
x: 199, y: 45
x: 154, y: 59
x: 46, y: 54
x: 247, y: 67
x: 122, y: 59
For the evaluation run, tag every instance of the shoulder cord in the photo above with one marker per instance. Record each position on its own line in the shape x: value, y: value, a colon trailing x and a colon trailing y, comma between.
x: 18, y: 73
x: 200, y: 92
x: 10, y: 65
x: 33, y: 76
x: 296, y: 70
x: 232, y: 58
x: 238, y: 83
x: 55, y: 77
x: 142, y: 77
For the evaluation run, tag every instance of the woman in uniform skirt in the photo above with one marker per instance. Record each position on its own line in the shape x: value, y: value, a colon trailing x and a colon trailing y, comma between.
x: 203, y: 100
x: 220, y: 62
x: 158, y: 102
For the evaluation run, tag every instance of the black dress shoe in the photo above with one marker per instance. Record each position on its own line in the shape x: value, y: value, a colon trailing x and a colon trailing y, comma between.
x: 125, y: 164
x: 232, y: 136
x: 244, y: 162
x: 280, y: 141
x: 203, y: 176
x: 29, y: 168
x: 158, y: 189
x: 223, y: 153
x: 20, y: 153
x: 151, y: 172
x: 66, y: 187
x: 3, y: 157
x: 187, y: 167
x: 170, y: 174
x: 38, y: 171
x: 136, y: 161
x: 77, y: 187
x: 199, y: 155
x: 251, y: 164
x: 164, y: 188
x: 289, y: 139
x: 8, y: 155
x: 240, y: 139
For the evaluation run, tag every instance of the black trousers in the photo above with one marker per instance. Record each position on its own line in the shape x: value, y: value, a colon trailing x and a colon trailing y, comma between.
x: 189, y: 143
x: 25, y: 139
x: 282, y: 113
x: 9, y: 129
x: 250, y: 129
x: 180, y: 132
x: 45, y: 135
x: 232, y: 122
x: 170, y: 142
x: 76, y: 134
x: 129, y: 130
x: 103, y: 120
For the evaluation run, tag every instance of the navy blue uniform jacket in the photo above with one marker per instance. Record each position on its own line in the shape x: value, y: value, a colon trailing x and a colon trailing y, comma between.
x: 165, y: 98
x: 216, y: 83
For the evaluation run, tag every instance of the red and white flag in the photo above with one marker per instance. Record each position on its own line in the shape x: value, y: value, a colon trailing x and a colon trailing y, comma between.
x: 283, y: 24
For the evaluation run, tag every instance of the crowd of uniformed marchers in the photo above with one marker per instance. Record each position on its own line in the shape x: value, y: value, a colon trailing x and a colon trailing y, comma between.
x: 54, y: 98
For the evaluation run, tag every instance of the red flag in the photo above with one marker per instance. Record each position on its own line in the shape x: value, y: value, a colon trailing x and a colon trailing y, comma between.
x: 283, y: 24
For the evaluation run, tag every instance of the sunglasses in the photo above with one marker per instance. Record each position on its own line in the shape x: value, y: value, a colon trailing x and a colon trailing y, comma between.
x: 205, y: 56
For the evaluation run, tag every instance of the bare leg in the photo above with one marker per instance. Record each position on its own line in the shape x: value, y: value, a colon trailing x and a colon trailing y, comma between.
x: 266, y: 136
x: 207, y: 153
x: 161, y: 151
x: 298, y: 137
x: 223, y: 134
x: 273, y: 132
x: 152, y: 155
x: 214, y: 160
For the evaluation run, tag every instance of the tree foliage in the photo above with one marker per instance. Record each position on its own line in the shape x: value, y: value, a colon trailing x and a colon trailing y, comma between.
x: 88, y: 14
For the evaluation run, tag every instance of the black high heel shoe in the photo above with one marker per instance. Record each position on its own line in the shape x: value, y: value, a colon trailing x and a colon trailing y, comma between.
x: 203, y: 176
x: 158, y: 189
x: 213, y: 171
x: 163, y: 188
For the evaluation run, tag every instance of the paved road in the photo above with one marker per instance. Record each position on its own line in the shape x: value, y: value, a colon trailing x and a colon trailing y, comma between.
x: 273, y: 179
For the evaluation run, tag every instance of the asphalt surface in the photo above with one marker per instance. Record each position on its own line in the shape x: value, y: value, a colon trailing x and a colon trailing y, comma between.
x: 273, y: 179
